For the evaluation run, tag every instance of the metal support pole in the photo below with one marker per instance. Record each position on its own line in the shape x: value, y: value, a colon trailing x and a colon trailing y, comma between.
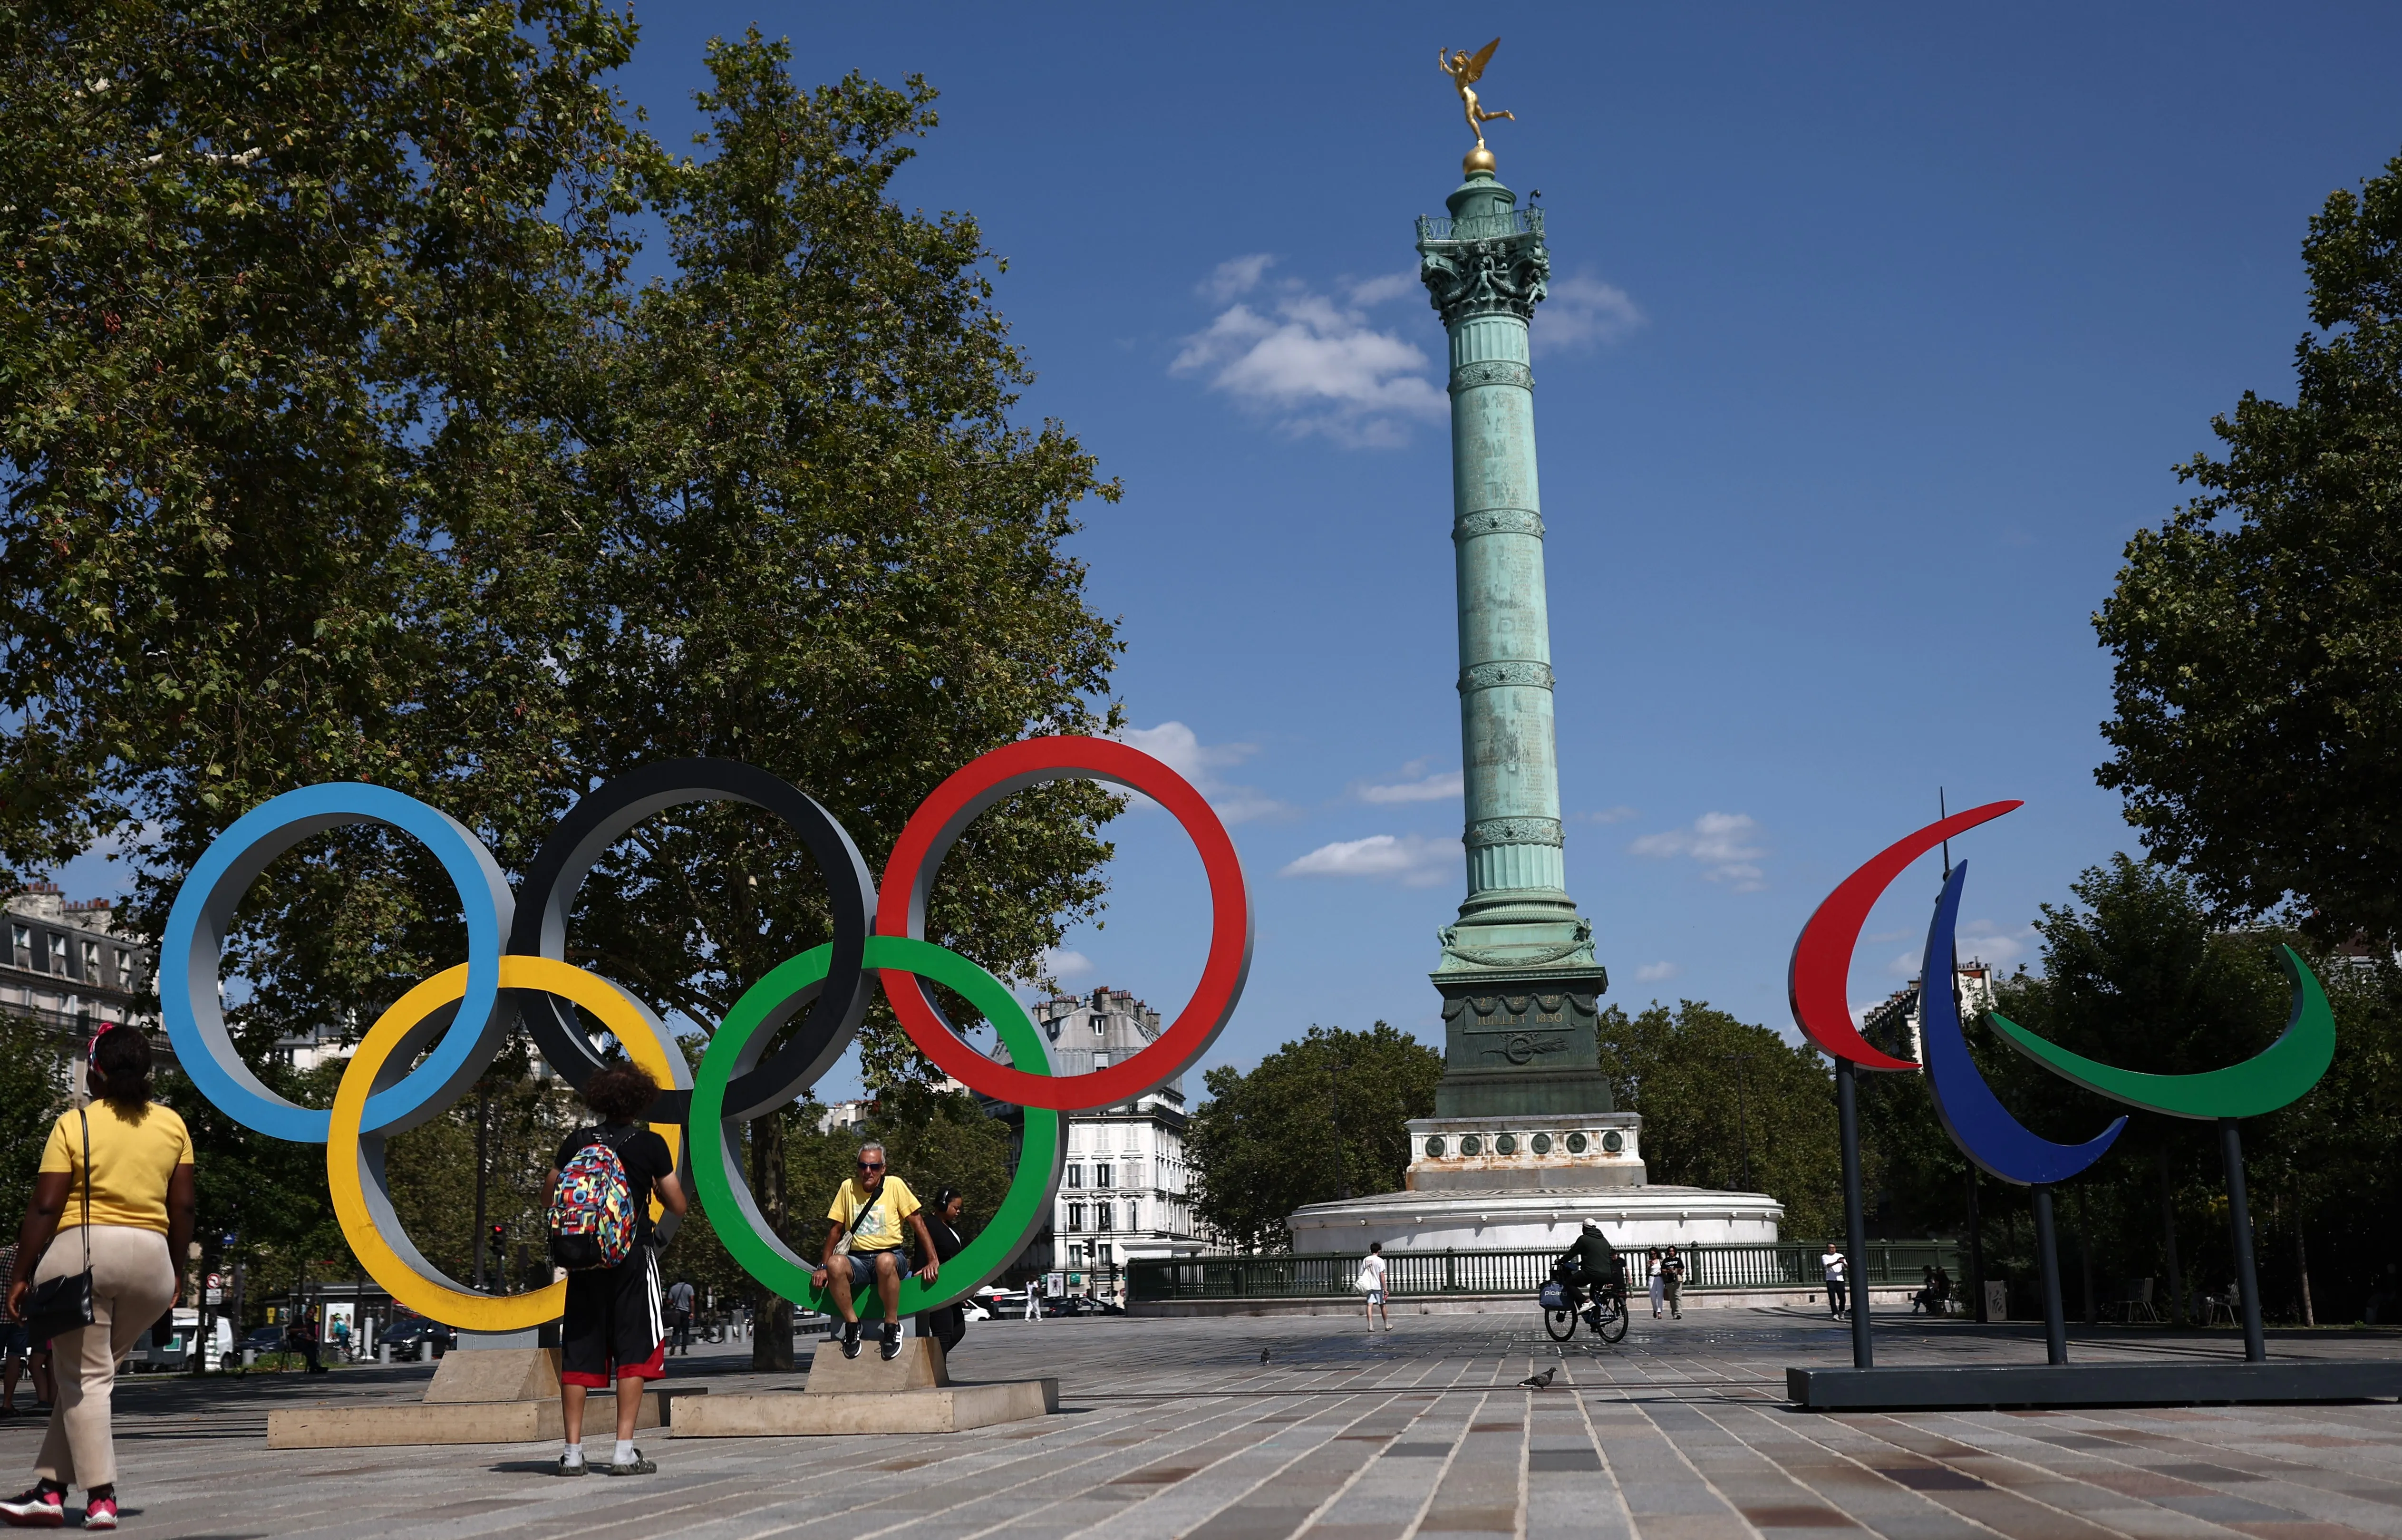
x: 2047, y: 1258
x: 1976, y: 1250
x: 2239, y: 1227
x: 1856, y: 1227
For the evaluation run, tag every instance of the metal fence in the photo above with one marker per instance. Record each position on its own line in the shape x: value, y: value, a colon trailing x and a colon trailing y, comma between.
x: 1431, y: 1274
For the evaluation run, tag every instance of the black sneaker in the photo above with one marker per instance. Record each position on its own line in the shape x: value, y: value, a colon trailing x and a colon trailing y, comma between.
x: 638, y: 1468
x: 891, y: 1347
x: 571, y: 1467
x: 851, y: 1339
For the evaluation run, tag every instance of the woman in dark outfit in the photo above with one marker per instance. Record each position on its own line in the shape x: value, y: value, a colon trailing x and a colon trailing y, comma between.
x: 951, y: 1323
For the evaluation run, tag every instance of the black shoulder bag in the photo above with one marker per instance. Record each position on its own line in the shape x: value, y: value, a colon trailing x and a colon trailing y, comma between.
x: 64, y: 1304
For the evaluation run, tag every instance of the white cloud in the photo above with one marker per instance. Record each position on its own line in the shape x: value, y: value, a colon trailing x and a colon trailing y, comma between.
x: 1721, y: 842
x: 1199, y: 763
x: 1582, y: 312
x: 1236, y: 275
x: 1987, y: 942
x: 1657, y: 972
x: 1376, y: 291
x: 1980, y: 940
x: 1415, y: 786
x: 1412, y: 859
x: 1063, y: 963
x: 1314, y: 365
x: 1619, y: 814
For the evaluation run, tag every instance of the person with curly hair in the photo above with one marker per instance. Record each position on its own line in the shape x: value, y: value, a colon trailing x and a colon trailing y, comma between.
x: 116, y: 1196
x: 614, y: 1321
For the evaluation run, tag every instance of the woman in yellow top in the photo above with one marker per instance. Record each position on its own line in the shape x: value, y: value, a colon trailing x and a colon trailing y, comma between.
x: 143, y: 1202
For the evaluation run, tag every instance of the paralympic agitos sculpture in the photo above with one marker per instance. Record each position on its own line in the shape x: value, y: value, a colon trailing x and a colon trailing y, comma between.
x: 515, y: 970
x: 1974, y: 1117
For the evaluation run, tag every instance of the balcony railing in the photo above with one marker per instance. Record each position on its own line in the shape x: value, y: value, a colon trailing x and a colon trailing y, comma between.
x: 1432, y: 1274
x: 1483, y: 226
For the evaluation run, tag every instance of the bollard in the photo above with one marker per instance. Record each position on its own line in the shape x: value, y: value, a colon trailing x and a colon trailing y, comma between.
x: 383, y: 1352
x: 249, y: 1357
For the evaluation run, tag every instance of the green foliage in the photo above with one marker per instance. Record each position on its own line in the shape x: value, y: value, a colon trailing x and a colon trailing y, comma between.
x: 334, y: 443
x: 1716, y: 1093
x: 2258, y: 686
x: 31, y: 1097
x: 1316, y: 1119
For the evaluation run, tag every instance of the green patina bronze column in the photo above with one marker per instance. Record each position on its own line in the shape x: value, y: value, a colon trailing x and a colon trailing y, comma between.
x: 1520, y: 987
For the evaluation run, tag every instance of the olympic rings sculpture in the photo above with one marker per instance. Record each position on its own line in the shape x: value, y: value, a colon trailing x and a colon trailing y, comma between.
x: 517, y: 970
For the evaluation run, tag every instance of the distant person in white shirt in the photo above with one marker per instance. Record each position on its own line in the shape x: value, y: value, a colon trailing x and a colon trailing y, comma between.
x: 1372, y: 1283
x: 1837, y: 1279
x: 1034, y: 1301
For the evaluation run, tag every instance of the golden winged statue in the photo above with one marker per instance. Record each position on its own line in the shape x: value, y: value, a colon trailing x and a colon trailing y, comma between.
x: 1464, y: 72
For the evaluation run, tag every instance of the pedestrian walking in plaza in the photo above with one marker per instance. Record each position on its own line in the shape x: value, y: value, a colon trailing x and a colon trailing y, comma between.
x: 342, y: 1340
x: 679, y: 1298
x: 301, y: 1338
x: 1657, y: 1280
x: 1672, y: 1281
x: 114, y: 1203
x: 948, y: 1324
x: 16, y: 1343
x: 862, y: 1247
x: 1372, y: 1283
x: 600, y: 1199
x: 1034, y: 1299
x: 1832, y: 1264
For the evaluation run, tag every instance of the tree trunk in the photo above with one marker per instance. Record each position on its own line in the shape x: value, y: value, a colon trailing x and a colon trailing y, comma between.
x: 483, y: 1163
x: 771, y: 1332
x: 2302, y: 1263
x: 2168, y: 1238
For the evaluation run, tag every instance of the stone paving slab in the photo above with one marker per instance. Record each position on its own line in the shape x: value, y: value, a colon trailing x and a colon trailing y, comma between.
x: 1177, y: 1428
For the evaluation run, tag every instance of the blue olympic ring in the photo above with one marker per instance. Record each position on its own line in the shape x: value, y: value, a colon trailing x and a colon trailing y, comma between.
x: 203, y: 913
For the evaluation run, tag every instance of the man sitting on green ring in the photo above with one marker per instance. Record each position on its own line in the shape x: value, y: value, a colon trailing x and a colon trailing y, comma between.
x: 864, y: 1245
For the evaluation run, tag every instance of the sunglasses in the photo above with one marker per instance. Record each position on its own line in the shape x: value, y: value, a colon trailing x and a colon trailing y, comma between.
x: 870, y: 1165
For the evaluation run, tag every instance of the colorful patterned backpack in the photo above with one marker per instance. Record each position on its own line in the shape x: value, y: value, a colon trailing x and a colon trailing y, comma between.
x: 592, y: 1221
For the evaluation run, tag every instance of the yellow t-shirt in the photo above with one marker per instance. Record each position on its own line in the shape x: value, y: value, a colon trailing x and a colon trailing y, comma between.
x: 131, y: 1158
x: 881, y: 1230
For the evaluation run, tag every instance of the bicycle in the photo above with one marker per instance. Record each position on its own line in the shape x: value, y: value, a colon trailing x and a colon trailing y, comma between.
x: 1566, y: 1301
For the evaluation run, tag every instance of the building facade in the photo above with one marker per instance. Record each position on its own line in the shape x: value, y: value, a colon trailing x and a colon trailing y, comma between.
x: 1126, y: 1191
x: 70, y: 966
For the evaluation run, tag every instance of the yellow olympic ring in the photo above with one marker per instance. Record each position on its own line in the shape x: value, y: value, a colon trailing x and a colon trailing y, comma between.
x: 354, y: 1163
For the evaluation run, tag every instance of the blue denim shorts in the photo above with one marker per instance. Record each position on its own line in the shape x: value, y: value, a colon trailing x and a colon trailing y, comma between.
x: 862, y: 1268
x: 15, y: 1340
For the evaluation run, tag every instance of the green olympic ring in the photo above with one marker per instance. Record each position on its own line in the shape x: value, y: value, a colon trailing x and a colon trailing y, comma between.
x: 2277, y: 1074
x: 754, y: 1243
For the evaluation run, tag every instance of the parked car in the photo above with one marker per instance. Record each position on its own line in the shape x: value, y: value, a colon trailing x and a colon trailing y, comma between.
x: 975, y: 1310
x: 414, y: 1339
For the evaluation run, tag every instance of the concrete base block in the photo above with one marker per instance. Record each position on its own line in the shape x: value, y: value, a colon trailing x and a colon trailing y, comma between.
x: 496, y: 1374
x: 920, y: 1366
x: 829, y: 1414
x: 522, y: 1422
x: 1907, y: 1386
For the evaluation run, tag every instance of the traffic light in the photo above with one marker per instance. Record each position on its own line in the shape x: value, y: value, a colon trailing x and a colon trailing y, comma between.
x: 500, y: 1232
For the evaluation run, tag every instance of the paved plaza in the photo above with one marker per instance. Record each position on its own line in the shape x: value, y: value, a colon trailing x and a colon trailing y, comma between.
x: 1176, y: 1428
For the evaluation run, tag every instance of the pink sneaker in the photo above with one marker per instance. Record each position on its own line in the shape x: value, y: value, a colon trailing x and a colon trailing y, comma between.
x: 100, y: 1513
x: 39, y: 1509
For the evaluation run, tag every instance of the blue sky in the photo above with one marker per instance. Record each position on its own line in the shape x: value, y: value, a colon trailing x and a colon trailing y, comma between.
x: 1875, y: 332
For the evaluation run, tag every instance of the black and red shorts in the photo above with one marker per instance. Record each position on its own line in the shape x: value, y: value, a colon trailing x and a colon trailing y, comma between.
x: 614, y: 1328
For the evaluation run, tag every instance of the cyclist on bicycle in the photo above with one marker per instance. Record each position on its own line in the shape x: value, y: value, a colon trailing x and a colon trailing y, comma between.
x: 1592, y: 1263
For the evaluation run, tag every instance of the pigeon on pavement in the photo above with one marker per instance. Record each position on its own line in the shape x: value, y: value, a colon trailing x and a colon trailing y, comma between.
x: 1264, y: 1355
x: 1542, y: 1380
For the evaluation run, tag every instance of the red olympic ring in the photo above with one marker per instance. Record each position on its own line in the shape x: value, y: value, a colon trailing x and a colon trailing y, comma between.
x: 910, y: 875
x: 1818, y: 983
